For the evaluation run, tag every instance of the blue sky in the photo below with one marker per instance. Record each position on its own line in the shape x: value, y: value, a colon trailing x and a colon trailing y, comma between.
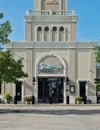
x: 88, y: 11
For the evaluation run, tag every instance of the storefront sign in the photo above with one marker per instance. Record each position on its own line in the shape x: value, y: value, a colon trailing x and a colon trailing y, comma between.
x: 49, y: 67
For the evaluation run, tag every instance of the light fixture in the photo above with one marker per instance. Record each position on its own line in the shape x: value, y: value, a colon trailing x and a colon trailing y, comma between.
x: 67, y: 81
x: 33, y: 80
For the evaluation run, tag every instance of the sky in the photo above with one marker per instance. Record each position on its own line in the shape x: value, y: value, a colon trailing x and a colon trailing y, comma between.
x: 88, y: 11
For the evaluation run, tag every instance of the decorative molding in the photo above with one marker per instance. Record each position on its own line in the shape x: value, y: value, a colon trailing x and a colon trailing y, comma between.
x: 56, y: 45
x: 51, y: 18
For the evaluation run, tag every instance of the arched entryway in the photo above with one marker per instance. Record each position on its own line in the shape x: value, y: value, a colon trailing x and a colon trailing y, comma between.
x: 50, y: 75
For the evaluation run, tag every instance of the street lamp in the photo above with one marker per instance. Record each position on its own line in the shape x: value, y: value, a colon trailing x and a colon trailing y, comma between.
x: 67, y: 89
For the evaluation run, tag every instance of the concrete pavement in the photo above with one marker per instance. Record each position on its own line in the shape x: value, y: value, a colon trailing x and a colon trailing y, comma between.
x: 49, y: 117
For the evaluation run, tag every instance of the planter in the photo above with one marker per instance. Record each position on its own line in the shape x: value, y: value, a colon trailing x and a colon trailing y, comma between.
x: 27, y: 102
x: 78, y: 102
x: 7, y: 101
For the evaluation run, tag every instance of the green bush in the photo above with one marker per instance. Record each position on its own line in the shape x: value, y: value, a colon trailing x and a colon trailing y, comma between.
x: 7, y: 96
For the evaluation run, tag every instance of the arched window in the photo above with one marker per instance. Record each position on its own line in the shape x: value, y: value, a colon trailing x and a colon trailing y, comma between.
x: 39, y: 28
x: 54, y: 28
x: 61, y: 29
x: 61, y: 34
x: 46, y: 34
x: 54, y: 34
x: 39, y: 33
x: 46, y: 28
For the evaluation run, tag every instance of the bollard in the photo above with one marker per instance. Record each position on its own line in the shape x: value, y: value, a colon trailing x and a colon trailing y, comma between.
x: 50, y: 99
x: 33, y: 99
x: 85, y: 99
x: 67, y: 100
x: 15, y: 99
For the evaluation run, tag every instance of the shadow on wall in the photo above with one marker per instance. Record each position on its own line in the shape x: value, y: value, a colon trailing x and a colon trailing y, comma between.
x: 28, y: 87
x: 92, y: 91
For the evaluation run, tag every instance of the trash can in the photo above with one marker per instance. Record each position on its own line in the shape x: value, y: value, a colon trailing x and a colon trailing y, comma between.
x: 33, y: 99
x: 15, y: 99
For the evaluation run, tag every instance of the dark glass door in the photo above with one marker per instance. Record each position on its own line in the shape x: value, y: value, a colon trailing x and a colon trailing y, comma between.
x: 19, y: 91
x: 82, y: 89
x: 50, y: 87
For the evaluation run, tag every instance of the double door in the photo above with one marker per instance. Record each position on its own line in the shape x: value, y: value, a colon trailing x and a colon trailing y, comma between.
x: 50, y: 89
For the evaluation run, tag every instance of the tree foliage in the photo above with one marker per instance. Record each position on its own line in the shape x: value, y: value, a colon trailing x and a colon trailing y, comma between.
x: 5, y: 30
x: 98, y: 86
x: 10, y: 69
x: 98, y: 54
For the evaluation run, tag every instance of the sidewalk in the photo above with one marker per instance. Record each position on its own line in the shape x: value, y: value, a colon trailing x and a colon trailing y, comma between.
x: 49, y: 117
x: 23, y: 107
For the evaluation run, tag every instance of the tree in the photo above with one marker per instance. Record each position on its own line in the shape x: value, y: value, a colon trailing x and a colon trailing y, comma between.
x: 5, y: 30
x: 10, y: 69
x: 98, y: 61
x: 98, y: 54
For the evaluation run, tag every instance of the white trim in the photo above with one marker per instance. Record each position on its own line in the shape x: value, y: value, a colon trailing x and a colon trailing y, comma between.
x: 23, y: 92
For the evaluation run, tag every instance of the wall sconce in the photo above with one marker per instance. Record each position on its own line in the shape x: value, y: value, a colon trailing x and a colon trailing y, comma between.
x: 33, y: 80
x: 67, y: 81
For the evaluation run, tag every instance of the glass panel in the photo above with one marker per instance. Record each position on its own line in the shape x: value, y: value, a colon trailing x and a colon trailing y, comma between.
x: 48, y: 87
x: 19, y: 90
x: 0, y: 88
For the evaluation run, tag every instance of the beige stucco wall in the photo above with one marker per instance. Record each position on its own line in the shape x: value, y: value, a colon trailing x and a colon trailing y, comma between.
x: 78, y: 57
x: 79, y: 62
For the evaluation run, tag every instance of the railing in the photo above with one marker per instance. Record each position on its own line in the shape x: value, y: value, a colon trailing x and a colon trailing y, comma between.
x: 50, y: 12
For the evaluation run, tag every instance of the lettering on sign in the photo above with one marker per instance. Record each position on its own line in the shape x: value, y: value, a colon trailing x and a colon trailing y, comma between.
x: 49, y: 67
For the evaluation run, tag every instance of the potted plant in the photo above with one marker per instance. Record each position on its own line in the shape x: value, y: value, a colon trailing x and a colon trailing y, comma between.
x: 79, y: 100
x: 27, y: 99
x: 7, y: 97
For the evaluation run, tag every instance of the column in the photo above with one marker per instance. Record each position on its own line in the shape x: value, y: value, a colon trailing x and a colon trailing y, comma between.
x: 57, y: 34
x: 64, y: 35
x: 35, y: 35
x: 22, y: 98
x: 35, y: 91
x: 50, y: 34
x: 43, y: 35
x: 64, y: 94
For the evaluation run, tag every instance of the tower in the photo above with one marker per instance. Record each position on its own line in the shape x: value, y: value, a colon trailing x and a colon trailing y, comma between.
x: 50, y: 5
x: 51, y: 21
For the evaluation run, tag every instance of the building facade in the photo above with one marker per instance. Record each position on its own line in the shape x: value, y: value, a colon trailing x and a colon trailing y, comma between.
x: 58, y: 66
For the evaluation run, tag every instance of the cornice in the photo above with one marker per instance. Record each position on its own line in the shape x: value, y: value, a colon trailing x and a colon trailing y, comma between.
x: 55, y: 45
x: 52, y: 18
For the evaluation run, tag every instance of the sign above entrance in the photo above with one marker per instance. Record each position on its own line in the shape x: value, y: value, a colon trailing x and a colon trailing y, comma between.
x: 49, y: 67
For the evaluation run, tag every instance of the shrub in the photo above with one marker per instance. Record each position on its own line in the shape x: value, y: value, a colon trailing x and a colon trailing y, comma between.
x: 7, y: 96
